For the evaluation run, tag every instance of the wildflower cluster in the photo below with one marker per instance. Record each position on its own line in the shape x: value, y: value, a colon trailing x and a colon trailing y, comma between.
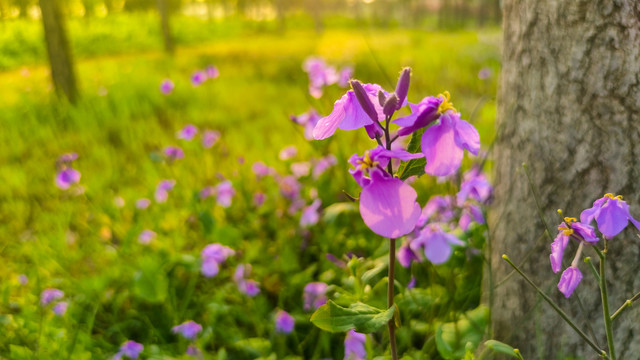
x: 321, y: 74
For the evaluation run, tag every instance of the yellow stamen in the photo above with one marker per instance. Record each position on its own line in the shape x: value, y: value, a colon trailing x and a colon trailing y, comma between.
x: 611, y: 196
x: 569, y: 220
x: 366, y: 162
x: 445, y: 104
x: 559, y: 211
x: 565, y: 230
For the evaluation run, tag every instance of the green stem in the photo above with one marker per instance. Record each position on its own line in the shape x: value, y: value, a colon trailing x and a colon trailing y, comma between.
x: 626, y: 304
x: 390, y: 278
x: 605, y: 306
x: 555, y: 307
x: 593, y: 268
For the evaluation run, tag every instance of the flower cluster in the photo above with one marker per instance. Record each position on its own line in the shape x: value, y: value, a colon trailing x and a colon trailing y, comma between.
x: 213, y: 255
x: 321, y: 74
x: 200, y: 76
x: 611, y: 214
x: 245, y: 286
x: 53, y: 296
x: 66, y: 175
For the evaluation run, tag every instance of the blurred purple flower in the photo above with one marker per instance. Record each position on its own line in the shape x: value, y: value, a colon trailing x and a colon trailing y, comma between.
x: 484, y: 73
x: 310, y: 215
x: 166, y: 86
x: 475, y: 186
x: 611, y: 214
x: 288, y: 152
x: 224, y: 193
x: 406, y: 255
x: 436, y: 243
x: 439, y: 208
x: 189, y: 329
x: 143, y: 203
x: 300, y: 169
x: 146, y: 236
x: 412, y: 283
x: 68, y: 157
x: 210, y: 138
x: 194, y: 352
x: 130, y: 349
x: 67, y: 177
x: 23, y: 279
x: 320, y: 75
x: 344, y: 76
x: 259, y: 199
x: 314, y: 295
x: 308, y: 120
x: 173, y: 153
x: 289, y: 187
x: 569, y: 280
x: 188, y: 132
x: 260, y: 169
x: 207, y: 191
x: 284, y: 322
x: 162, y: 190
x: 247, y: 287
x: 354, y: 346
x: 470, y: 213
x: 50, y: 295
x: 60, y: 308
x: 322, y: 165
x: 217, y: 252
x: 212, y: 72
x: 198, y: 77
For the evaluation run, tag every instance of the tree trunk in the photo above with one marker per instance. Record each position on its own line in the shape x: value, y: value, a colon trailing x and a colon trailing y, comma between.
x: 62, y: 70
x: 163, y: 8
x: 569, y: 107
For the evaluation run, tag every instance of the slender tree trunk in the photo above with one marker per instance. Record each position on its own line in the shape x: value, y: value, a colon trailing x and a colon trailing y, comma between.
x: 163, y: 8
x: 569, y: 107
x: 62, y: 69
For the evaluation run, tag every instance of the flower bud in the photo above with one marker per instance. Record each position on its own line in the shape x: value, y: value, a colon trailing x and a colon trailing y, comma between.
x: 402, y: 88
x: 390, y: 105
x: 381, y: 98
x: 364, y: 100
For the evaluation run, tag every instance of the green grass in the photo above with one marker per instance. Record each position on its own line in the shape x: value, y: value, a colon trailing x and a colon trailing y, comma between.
x: 122, y: 290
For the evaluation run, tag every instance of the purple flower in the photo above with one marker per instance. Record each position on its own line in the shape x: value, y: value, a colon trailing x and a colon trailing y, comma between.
x: 146, y: 236
x: 60, y: 308
x: 289, y: 187
x: 198, y: 78
x: 567, y: 229
x: 347, y: 113
x: 475, y: 186
x: 443, y: 144
x: 209, y: 138
x: 50, y: 295
x: 284, y: 322
x: 569, y: 280
x: 301, y: 169
x: 484, y: 73
x: 314, y: 295
x: 247, y: 287
x: 611, y: 214
x: 189, y: 329
x: 354, y: 346
x: 412, y: 283
x: 310, y: 215
x: 187, y: 133
x: 194, y: 352
x: 322, y: 165
x: 259, y: 198
x: 143, y: 203
x: 207, y: 191
x: 320, y: 75
x: 288, y: 153
x: 173, y: 153
x: 436, y: 243
x: 162, y: 190
x: 470, y: 213
x: 346, y: 73
x: 67, y: 177
x: 23, y: 279
x: 217, y: 252
x: 130, y: 349
x: 260, y: 169
x: 406, y: 255
x: 212, y: 72
x: 422, y: 115
x: 439, y: 208
x: 308, y: 120
x: 387, y: 205
x: 166, y: 86
x: 224, y: 193
x: 68, y: 157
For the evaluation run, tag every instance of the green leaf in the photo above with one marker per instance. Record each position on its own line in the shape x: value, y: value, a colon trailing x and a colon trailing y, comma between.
x: 332, y: 211
x: 501, y: 348
x: 150, y: 282
x: 415, y: 166
x: 361, y: 317
x: 452, y: 337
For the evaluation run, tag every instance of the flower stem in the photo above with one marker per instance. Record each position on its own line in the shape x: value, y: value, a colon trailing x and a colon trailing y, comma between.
x: 605, y: 305
x: 626, y: 304
x: 555, y: 307
x: 390, y: 287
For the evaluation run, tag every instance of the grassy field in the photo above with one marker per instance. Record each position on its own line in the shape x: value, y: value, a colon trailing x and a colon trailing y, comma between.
x: 119, y: 289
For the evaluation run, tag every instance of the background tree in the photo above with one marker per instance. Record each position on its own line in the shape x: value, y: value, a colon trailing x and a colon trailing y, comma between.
x: 569, y: 106
x: 62, y: 69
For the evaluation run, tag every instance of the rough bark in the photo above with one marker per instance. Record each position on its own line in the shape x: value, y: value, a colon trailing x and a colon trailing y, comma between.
x: 569, y: 107
x: 62, y: 69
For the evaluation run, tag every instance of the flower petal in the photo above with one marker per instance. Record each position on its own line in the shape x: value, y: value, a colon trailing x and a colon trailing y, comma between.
x: 467, y: 136
x: 569, y: 281
x: 328, y: 124
x: 613, y: 217
x: 441, y: 150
